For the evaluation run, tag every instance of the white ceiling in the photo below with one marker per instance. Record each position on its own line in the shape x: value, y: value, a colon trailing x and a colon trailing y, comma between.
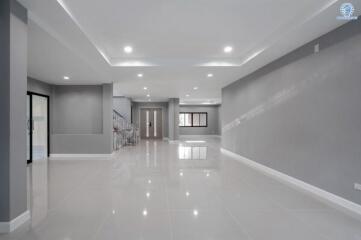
x: 176, y: 43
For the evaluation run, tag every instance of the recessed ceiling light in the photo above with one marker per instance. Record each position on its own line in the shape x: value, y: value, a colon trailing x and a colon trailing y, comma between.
x: 195, y: 212
x: 128, y: 49
x: 66, y: 78
x: 195, y: 88
x: 140, y: 75
x: 148, y: 95
x: 228, y: 49
x: 145, y: 88
x: 187, y: 95
x: 145, y: 212
x: 210, y: 75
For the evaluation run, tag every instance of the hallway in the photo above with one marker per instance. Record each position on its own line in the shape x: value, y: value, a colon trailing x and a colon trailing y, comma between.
x: 185, y: 190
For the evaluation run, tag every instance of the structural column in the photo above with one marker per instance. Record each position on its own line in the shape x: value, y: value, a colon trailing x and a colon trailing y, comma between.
x: 13, y: 84
x: 173, y: 112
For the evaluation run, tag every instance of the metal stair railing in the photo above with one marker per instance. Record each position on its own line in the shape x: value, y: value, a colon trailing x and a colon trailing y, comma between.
x: 124, y: 133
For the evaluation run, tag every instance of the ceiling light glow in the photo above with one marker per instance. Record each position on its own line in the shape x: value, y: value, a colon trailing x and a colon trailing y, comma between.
x: 228, y: 49
x: 195, y: 88
x: 128, y: 49
x: 66, y: 78
x: 145, y: 88
x: 210, y: 75
x: 140, y: 75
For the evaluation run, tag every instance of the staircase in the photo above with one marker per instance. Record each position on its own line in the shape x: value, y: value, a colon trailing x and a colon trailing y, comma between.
x: 124, y: 133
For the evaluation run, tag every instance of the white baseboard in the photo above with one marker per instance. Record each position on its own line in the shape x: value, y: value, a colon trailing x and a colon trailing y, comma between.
x: 7, y: 227
x: 80, y: 156
x: 321, y: 194
x: 205, y: 135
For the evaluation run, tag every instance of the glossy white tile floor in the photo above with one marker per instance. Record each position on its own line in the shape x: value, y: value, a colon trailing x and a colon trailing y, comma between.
x: 155, y: 191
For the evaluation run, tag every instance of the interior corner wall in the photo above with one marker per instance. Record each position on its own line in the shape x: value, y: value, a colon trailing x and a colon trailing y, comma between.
x: 212, y: 120
x: 301, y: 114
x: 36, y: 86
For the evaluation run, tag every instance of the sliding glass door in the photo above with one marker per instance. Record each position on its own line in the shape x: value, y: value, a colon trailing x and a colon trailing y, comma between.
x: 38, y: 126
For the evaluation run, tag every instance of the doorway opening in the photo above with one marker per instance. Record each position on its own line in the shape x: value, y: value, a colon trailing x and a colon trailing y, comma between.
x: 151, y: 124
x: 38, y: 140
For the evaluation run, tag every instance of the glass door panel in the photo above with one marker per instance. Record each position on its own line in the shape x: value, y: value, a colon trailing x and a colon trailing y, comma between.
x: 28, y: 128
x: 39, y: 127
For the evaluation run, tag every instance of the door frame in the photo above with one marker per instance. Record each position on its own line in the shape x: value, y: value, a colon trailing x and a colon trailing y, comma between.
x: 31, y: 94
x: 151, y: 108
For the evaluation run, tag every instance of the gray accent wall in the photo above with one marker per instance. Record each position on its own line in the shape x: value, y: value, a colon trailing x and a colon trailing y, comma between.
x: 13, y: 71
x: 213, y: 127
x: 77, y: 109
x: 137, y: 106
x: 81, y: 119
x: 301, y: 114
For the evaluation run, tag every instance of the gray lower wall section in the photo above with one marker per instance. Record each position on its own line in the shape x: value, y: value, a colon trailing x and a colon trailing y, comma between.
x: 81, y: 119
x: 213, y: 121
x: 137, y: 106
x: 301, y: 114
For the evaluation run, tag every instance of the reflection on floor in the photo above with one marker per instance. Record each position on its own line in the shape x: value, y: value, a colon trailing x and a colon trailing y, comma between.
x: 168, y: 191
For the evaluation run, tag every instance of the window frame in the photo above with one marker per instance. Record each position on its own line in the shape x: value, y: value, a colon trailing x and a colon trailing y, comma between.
x: 192, y: 123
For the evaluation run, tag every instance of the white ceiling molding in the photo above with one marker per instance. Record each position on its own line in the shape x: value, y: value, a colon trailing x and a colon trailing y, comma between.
x: 175, y: 44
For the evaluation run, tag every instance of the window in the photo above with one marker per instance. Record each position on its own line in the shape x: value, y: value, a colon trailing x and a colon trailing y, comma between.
x: 193, y: 119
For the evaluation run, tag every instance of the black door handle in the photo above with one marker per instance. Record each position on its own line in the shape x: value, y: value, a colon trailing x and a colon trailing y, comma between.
x: 150, y: 124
